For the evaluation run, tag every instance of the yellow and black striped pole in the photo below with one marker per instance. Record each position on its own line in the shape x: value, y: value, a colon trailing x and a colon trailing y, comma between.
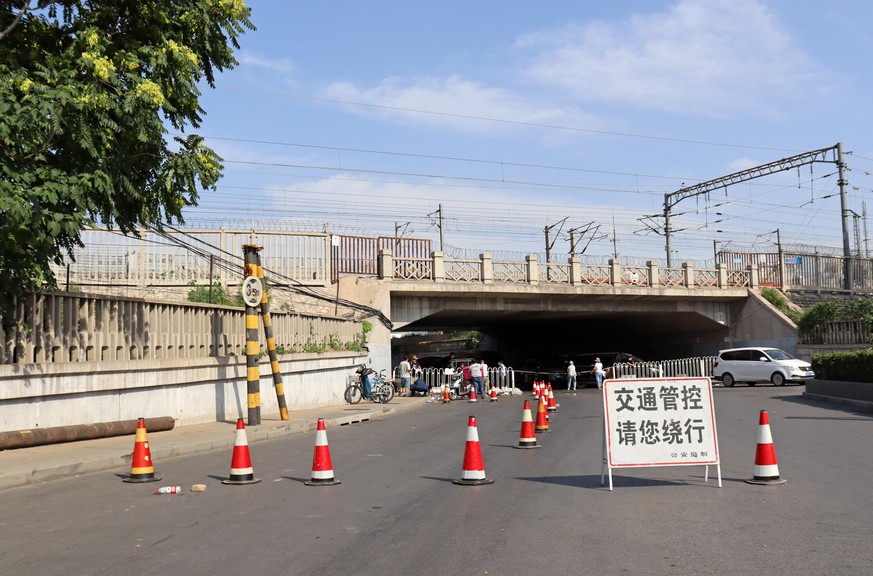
x: 253, y: 370
x: 271, y: 343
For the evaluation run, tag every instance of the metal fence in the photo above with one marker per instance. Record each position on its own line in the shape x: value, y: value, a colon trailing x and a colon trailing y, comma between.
x: 700, y: 366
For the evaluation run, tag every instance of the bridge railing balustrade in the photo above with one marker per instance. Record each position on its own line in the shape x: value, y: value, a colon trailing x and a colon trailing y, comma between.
x: 553, y: 273
x: 706, y: 278
x: 514, y: 272
x: 463, y: 270
x: 596, y: 275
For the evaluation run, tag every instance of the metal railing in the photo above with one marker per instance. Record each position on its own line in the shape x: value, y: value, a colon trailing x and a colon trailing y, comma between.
x: 700, y: 366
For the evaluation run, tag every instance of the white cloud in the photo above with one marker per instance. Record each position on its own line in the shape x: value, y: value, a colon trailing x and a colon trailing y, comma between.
x: 462, y: 104
x: 249, y: 59
x: 710, y: 57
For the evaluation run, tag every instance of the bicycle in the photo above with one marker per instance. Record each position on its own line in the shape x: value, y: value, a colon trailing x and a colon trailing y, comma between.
x: 381, y: 392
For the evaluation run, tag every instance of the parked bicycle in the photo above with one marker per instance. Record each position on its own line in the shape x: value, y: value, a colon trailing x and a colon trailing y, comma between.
x: 381, y: 391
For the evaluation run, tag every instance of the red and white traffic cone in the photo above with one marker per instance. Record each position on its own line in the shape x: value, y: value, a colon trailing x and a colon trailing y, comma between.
x: 472, y: 393
x: 528, y: 438
x: 241, y: 471
x: 536, y: 388
x: 542, y: 424
x: 473, y: 473
x: 766, y: 467
x: 550, y: 401
x: 493, y: 394
x: 322, y: 467
x: 142, y: 467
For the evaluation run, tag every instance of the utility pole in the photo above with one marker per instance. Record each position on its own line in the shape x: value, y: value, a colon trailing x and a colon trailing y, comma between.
x: 864, y: 216
x: 439, y: 213
x: 614, y: 241
x: 549, y: 241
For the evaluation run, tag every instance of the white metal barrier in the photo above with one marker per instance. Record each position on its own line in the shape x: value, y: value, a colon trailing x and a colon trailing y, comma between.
x: 700, y: 366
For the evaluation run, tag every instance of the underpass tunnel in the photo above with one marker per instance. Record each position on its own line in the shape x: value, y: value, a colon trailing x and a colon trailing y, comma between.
x: 521, y: 336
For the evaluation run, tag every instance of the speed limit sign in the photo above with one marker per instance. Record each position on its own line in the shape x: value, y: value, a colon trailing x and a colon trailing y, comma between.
x: 252, y: 291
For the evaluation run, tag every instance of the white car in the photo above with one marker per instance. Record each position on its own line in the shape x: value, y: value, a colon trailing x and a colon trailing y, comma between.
x: 754, y: 365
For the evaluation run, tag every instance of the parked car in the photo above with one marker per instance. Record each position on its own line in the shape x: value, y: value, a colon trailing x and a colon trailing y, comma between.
x: 755, y: 365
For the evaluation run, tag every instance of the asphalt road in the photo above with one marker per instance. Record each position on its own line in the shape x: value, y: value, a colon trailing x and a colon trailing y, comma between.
x: 398, y: 512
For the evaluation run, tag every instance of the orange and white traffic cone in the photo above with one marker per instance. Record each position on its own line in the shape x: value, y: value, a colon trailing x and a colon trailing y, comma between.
x: 322, y: 467
x: 550, y: 403
x: 142, y: 467
x: 493, y: 394
x: 241, y: 471
x: 528, y: 438
x: 473, y: 473
x: 542, y: 424
x: 766, y: 467
x: 536, y: 388
x: 472, y: 393
x: 447, y: 397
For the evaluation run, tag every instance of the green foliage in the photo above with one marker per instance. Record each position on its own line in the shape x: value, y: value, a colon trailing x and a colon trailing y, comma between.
x: 844, y: 366
x: 780, y: 302
x: 87, y: 93
x: 817, y: 315
x: 219, y: 295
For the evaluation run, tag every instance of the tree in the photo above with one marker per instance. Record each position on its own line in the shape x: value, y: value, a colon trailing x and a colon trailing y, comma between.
x: 88, y: 92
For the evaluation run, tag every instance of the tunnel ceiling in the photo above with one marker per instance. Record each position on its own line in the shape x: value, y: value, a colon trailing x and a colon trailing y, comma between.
x: 663, y: 324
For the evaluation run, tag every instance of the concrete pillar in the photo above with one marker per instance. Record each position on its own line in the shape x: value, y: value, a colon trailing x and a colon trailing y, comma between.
x: 439, y: 266
x: 753, y: 275
x: 575, y: 271
x: 653, y: 273
x: 487, y: 270
x: 721, y: 273
x: 614, y: 272
x: 386, y: 264
x: 688, y: 274
x: 533, y: 271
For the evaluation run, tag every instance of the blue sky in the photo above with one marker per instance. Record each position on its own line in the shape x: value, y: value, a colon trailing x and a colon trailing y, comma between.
x: 365, y: 117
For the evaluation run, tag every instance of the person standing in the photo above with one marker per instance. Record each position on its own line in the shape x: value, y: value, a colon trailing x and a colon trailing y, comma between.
x: 404, y: 370
x: 571, y: 376
x: 476, y: 377
x: 599, y: 373
x: 501, y: 374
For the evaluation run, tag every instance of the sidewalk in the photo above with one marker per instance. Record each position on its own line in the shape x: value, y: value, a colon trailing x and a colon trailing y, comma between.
x: 55, y: 461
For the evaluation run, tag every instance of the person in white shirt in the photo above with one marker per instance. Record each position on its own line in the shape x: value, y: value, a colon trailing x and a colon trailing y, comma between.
x: 476, y: 377
x: 599, y: 373
x: 571, y: 376
x: 404, y: 370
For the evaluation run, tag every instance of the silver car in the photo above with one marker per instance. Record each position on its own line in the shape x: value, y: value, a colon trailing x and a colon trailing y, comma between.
x: 754, y: 365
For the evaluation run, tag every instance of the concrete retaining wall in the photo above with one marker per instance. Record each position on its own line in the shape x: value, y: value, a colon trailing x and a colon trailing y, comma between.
x: 193, y: 390
x: 854, y: 393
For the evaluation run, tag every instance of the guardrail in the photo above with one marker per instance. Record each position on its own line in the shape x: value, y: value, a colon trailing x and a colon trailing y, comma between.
x: 700, y: 366
x: 435, y: 377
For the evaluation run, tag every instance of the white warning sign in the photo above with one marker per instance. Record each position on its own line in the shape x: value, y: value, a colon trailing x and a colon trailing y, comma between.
x: 659, y: 422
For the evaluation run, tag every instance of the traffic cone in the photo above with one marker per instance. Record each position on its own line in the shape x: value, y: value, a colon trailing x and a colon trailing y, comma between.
x: 322, y: 468
x: 473, y: 473
x: 528, y: 438
x: 141, y: 466
x: 766, y: 467
x: 241, y: 471
x: 550, y: 404
x: 447, y: 397
x: 542, y: 424
x: 536, y: 388
x: 472, y: 393
x: 493, y: 394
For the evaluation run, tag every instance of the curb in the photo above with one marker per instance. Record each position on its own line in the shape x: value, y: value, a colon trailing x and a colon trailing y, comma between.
x: 173, y: 449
